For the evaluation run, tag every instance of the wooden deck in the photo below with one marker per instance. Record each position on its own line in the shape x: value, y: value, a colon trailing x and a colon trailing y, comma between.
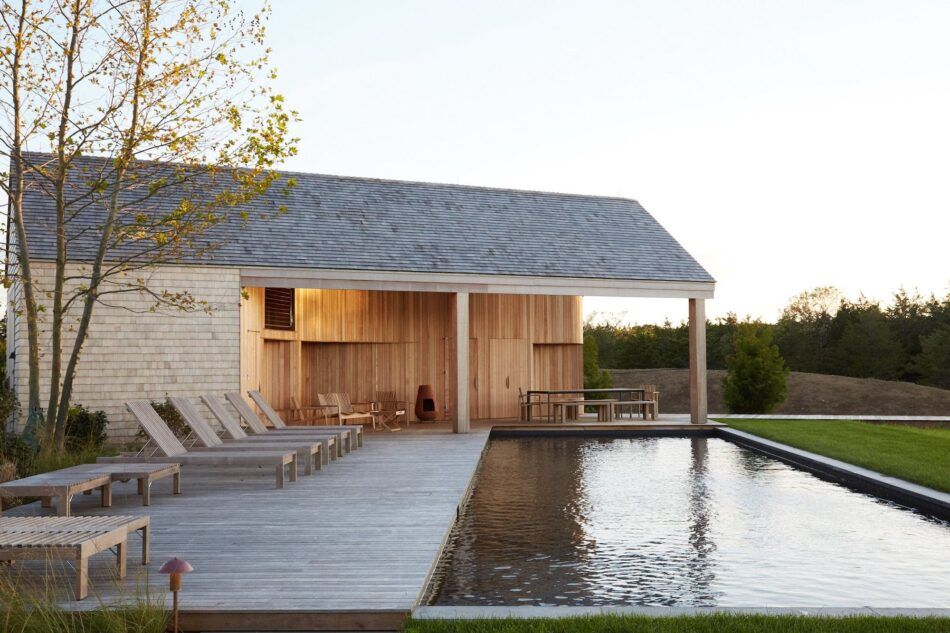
x: 349, y: 548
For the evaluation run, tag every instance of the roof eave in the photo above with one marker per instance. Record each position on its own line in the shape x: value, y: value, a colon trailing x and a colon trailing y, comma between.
x: 475, y: 283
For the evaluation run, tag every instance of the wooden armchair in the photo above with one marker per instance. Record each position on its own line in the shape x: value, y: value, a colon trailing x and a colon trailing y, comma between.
x: 346, y: 412
x: 388, y: 410
x: 309, y: 415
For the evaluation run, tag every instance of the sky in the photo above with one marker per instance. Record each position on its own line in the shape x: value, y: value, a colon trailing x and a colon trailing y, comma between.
x: 786, y: 145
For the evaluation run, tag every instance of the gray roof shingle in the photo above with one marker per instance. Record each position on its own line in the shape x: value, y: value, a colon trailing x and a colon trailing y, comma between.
x: 335, y: 222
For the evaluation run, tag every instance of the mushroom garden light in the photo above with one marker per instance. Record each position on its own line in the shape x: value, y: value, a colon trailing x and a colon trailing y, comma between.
x: 175, y: 568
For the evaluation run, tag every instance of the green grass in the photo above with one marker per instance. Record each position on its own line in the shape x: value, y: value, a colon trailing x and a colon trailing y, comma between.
x: 682, y: 624
x: 914, y: 454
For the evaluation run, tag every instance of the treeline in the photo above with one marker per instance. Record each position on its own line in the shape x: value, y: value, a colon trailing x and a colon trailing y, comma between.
x: 819, y: 331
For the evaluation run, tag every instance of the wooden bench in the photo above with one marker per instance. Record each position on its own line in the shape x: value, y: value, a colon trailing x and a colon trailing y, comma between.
x: 605, y: 409
x: 62, y: 486
x: 71, y: 538
x: 144, y: 474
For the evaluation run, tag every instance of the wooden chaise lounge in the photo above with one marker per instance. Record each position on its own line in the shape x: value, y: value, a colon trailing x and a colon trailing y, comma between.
x: 309, y: 452
x: 72, y: 538
x: 351, y: 437
x: 65, y: 483
x: 164, y: 447
x: 232, y: 428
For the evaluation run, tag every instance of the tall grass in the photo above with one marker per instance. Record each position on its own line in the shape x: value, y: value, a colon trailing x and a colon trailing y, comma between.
x: 47, y: 606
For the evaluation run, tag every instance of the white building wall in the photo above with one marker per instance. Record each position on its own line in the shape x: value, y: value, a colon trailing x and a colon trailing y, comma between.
x: 137, y: 351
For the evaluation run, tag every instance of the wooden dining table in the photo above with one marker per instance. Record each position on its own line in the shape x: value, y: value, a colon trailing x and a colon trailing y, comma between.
x: 544, y: 396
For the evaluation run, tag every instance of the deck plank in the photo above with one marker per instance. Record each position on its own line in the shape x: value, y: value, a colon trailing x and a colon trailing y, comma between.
x: 361, y: 535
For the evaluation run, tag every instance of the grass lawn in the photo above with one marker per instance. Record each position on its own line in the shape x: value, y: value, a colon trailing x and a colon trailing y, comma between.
x: 917, y: 455
x: 686, y: 624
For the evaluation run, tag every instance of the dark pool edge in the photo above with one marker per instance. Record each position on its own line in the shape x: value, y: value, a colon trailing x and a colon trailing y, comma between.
x: 927, y: 500
x: 526, y: 612
x: 426, y: 588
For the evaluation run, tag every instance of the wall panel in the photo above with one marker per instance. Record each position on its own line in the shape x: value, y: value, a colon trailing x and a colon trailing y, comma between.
x: 361, y: 342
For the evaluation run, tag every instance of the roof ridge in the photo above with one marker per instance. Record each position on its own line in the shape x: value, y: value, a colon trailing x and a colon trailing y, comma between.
x: 401, y: 181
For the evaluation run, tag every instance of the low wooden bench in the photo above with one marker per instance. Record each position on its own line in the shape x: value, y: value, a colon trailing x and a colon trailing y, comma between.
x: 144, y: 474
x: 62, y: 486
x: 605, y: 409
x: 66, y: 483
x: 72, y: 538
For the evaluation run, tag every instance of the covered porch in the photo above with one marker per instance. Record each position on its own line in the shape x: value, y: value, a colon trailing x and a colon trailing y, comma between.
x: 479, y: 341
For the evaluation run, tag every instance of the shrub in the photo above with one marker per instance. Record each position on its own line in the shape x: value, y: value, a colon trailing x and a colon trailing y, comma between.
x: 85, y: 429
x: 167, y: 412
x: 17, y: 451
x: 9, y: 406
x: 594, y: 376
x: 755, y: 380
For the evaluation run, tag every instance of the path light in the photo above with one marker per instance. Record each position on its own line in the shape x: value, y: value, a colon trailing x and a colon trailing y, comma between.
x: 175, y: 568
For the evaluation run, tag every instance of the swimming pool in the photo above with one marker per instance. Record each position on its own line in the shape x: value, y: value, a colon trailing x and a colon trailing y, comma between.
x: 673, y: 521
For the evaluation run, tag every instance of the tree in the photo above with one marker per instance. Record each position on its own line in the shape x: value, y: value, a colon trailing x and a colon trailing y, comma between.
x: 594, y: 376
x: 160, y: 88
x: 863, y: 344
x: 756, y: 377
x: 933, y: 362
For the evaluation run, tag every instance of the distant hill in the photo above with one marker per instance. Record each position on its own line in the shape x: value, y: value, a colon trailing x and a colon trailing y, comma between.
x: 808, y: 394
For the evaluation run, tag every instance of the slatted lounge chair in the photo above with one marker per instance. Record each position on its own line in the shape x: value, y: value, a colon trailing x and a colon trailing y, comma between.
x: 351, y: 439
x: 232, y: 428
x: 308, y: 452
x: 164, y: 447
x: 71, y: 538
x: 344, y: 435
x: 65, y: 483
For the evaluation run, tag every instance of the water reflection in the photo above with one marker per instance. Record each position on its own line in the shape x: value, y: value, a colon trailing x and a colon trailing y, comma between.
x: 675, y: 521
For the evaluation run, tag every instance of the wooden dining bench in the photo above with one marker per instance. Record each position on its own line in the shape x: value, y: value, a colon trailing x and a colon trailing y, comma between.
x: 74, y: 539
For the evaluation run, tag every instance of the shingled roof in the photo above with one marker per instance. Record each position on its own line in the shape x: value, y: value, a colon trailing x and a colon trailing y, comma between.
x: 346, y: 223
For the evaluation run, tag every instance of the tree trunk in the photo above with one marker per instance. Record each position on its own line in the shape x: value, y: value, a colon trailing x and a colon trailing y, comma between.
x: 57, y: 430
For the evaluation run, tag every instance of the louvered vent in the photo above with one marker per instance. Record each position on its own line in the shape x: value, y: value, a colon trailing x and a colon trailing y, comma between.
x: 279, y: 308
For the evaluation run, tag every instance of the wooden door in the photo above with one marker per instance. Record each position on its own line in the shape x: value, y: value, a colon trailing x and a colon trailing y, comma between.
x: 509, y: 369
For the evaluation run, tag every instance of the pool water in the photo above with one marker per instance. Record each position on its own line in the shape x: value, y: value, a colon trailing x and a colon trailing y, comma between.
x: 680, y: 522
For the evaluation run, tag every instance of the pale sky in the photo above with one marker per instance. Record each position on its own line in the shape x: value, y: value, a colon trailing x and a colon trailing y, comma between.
x: 785, y: 144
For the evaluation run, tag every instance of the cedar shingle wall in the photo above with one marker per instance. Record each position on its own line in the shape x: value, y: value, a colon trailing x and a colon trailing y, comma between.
x: 133, y: 352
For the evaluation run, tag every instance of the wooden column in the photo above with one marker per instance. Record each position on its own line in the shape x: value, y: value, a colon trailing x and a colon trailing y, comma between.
x: 698, y: 409
x: 461, y: 424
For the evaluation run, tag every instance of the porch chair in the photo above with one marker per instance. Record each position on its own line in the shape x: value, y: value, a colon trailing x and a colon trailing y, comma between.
x: 649, y: 405
x: 387, y: 410
x: 525, y: 405
x: 308, y: 415
x: 345, y: 411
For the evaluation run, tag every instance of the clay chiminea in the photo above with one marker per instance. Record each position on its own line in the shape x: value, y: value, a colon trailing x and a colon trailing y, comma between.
x: 426, y: 410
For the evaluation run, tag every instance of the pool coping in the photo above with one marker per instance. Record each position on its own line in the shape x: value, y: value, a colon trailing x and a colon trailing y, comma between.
x: 901, y: 491
x: 531, y: 612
